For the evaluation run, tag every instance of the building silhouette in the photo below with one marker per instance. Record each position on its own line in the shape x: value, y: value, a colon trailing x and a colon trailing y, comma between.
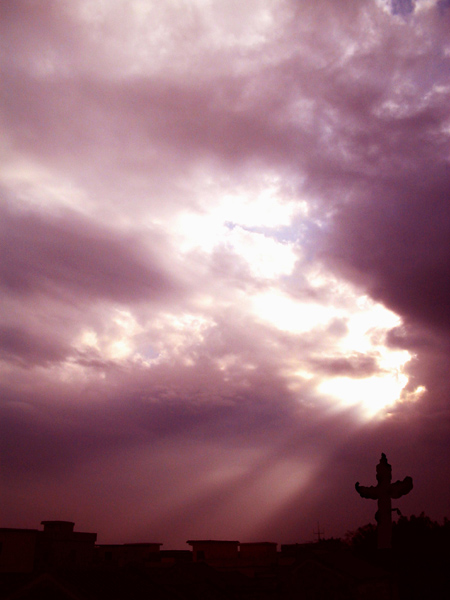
x: 59, y: 563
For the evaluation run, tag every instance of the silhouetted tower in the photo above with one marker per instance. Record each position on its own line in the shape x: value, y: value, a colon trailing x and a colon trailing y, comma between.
x: 384, y: 492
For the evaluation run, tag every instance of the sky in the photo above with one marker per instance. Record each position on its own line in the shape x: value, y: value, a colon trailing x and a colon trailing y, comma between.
x: 224, y: 264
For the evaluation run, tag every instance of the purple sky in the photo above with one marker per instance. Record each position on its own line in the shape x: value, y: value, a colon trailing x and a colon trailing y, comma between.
x: 224, y: 264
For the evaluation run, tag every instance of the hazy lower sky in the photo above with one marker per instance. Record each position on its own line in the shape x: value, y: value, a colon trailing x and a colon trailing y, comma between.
x: 224, y: 264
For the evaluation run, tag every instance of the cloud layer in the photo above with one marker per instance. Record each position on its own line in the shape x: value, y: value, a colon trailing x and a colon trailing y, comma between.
x: 224, y: 264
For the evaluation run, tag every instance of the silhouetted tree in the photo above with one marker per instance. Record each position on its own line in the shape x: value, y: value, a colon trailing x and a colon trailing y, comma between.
x: 420, y: 555
x: 408, y: 534
x: 364, y: 539
x: 420, y: 533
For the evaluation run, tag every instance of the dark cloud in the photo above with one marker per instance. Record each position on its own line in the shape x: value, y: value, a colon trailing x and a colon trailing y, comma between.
x: 402, y: 7
x: 61, y: 255
x: 443, y: 5
x: 24, y: 345
x: 396, y: 242
x: 358, y: 365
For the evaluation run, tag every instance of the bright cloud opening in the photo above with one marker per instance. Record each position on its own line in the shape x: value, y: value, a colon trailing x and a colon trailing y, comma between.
x: 371, y: 394
x: 291, y: 315
x: 367, y: 324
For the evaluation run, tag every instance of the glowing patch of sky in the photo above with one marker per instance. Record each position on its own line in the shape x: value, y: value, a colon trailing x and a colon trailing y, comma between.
x: 267, y: 207
x: 368, y: 320
x: 265, y: 257
x: 173, y: 335
x: 117, y: 342
x: 371, y: 394
x: 289, y: 314
x: 367, y: 324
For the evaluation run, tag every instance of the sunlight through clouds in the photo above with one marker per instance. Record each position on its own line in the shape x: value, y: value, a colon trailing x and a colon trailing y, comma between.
x: 367, y: 324
x: 285, y: 479
x: 262, y: 204
x: 265, y: 257
x: 117, y: 341
x: 174, y: 336
x: 224, y: 241
x: 289, y: 314
x: 372, y: 394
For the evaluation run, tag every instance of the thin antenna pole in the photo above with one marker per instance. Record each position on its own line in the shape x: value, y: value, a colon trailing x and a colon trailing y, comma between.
x: 319, y: 532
